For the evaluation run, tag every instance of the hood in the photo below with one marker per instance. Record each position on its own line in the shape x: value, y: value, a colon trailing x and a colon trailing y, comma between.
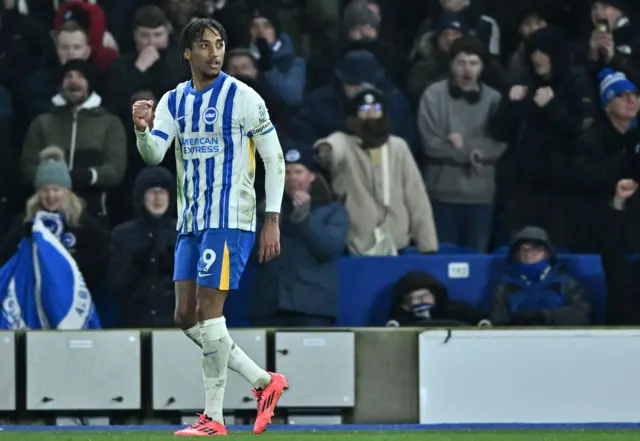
x: 149, y: 177
x: 555, y: 44
x: 532, y: 234
x: 97, y: 21
x: 93, y: 102
x: 413, y: 281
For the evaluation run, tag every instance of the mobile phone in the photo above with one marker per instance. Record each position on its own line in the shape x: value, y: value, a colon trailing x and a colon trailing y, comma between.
x: 602, y: 26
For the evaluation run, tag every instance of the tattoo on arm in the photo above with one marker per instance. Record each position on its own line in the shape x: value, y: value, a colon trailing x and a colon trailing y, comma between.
x: 272, y: 217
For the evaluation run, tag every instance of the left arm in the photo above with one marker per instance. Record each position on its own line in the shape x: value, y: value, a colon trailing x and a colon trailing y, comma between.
x: 575, y: 311
x: 114, y: 164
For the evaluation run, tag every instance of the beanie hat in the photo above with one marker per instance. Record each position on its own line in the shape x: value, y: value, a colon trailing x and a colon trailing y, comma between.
x: 269, y: 13
x: 367, y: 96
x: 470, y: 45
x: 297, y: 153
x: 358, y: 14
x: 612, y: 85
x: 451, y: 21
x: 78, y: 14
x: 622, y: 5
x: 52, y: 169
x: 82, y: 66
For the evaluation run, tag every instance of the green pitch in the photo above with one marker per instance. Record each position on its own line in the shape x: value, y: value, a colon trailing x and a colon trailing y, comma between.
x: 562, y: 435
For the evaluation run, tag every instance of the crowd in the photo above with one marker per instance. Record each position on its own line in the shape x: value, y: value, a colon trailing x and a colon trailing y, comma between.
x: 406, y: 125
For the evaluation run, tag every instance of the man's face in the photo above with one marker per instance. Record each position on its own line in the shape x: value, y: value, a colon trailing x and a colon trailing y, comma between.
x: 262, y: 28
x: 72, y: 46
x: 371, y: 111
x: 418, y: 297
x: 530, y: 252
x: 156, y: 37
x: 601, y: 11
x: 466, y: 69
x: 446, y: 39
x: 624, y: 106
x: 181, y: 11
x: 529, y: 25
x: 363, y: 33
x: 350, y: 90
x: 454, y: 5
x: 541, y: 63
x: 75, y: 89
x: 156, y: 201
x: 207, y: 54
x: 241, y: 66
x: 297, y: 178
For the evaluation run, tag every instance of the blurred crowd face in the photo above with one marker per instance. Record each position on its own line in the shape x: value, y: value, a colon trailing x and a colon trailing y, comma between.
x: 454, y: 5
x: 52, y: 197
x: 156, y: 37
x: 601, y: 11
x: 541, y: 64
x: 350, y: 90
x: 75, y: 89
x: 418, y: 297
x: 262, y: 28
x: 298, y: 178
x: 363, y: 33
x: 530, y: 25
x: 368, y: 112
x: 181, y: 11
x: 72, y: 46
x: 531, y: 252
x: 446, y: 39
x: 241, y: 66
x: 466, y: 69
x: 624, y: 107
x: 156, y: 201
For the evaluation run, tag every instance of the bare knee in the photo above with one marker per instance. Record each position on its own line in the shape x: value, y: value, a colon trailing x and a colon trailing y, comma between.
x: 185, y: 316
x: 210, y: 303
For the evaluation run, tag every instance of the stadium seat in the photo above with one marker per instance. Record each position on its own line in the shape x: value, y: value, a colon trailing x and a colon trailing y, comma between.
x: 8, y: 371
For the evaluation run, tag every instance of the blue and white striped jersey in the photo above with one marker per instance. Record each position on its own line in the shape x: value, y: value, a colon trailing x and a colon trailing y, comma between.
x: 214, y: 131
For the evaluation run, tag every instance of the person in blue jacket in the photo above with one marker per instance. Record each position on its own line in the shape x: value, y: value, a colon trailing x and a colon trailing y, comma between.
x: 300, y: 287
x: 535, y: 289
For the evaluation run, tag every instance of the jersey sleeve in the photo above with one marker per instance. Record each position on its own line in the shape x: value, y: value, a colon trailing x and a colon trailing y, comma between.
x: 153, y: 145
x: 256, y: 116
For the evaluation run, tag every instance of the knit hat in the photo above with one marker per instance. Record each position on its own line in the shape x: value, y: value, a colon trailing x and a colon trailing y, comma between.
x: 297, y: 153
x: 367, y: 96
x: 82, y: 66
x: 358, y: 14
x: 622, y: 5
x: 79, y: 15
x: 359, y: 67
x: 268, y: 12
x: 451, y: 21
x: 470, y: 45
x: 612, y: 85
x: 52, y: 169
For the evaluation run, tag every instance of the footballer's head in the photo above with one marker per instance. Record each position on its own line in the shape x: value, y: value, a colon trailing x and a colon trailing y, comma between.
x: 203, y: 43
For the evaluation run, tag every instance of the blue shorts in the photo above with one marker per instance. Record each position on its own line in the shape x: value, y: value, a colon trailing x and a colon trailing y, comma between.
x: 214, y: 258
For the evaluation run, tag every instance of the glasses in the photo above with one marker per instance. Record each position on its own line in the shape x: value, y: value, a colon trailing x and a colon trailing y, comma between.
x: 366, y: 107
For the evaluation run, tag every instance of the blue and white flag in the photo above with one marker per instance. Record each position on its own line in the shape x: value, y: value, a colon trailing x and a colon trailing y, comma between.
x: 41, y: 287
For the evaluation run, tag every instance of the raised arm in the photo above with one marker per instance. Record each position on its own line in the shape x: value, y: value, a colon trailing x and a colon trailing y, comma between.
x: 153, y: 144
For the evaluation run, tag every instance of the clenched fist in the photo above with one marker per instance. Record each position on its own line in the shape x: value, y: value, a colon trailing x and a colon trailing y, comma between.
x: 624, y: 190
x: 142, y: 114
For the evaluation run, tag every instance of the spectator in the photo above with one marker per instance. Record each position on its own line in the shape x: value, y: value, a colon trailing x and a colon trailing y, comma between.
x: 607, y: 153
x: 324, y: 111
x: 461, y: 154
x: 622, y: 274
x: 540, y: 118
x: 529, y: 21
x: 92, y: 139
x: 535, y: 289
x: 420, y: 299
x: 91, y: 18
x: 72, y: 43
x: 83, y: 237
x: 141, y: 254
x: 153, y: 67
x: 180, y: 12
x: 300, y: 287
x: 280, y: 69
x: 385, y: 196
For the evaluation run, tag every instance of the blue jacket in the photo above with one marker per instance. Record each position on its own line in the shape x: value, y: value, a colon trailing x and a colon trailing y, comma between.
x: 323, y: 113
x: 288, y: 73
x: 559, y: 298
x: 304, y: 278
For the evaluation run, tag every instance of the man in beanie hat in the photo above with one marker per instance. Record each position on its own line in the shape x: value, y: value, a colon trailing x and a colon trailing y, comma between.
x: 461, y: 155
x: 545, y: 112
x: 610, y: 150
x: 93, y: 140
x: 300, y: 288
x: 386, y: 212
x: 280, y: 69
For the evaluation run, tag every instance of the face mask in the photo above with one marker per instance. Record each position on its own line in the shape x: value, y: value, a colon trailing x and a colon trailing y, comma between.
x: 372, y: 132
x: 533, y: 270
x: 421, y: 311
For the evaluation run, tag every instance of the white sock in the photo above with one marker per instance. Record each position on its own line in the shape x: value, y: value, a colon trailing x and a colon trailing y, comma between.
x: 194, y: 334
x: 246, y: 367
x: 215, y: 357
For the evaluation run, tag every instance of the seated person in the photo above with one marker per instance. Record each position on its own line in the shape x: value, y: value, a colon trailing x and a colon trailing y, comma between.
x: 419, y: 299
x: 535, y: 289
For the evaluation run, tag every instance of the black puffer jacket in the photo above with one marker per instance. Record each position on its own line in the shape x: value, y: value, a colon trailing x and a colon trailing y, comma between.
x: 141, y: 265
